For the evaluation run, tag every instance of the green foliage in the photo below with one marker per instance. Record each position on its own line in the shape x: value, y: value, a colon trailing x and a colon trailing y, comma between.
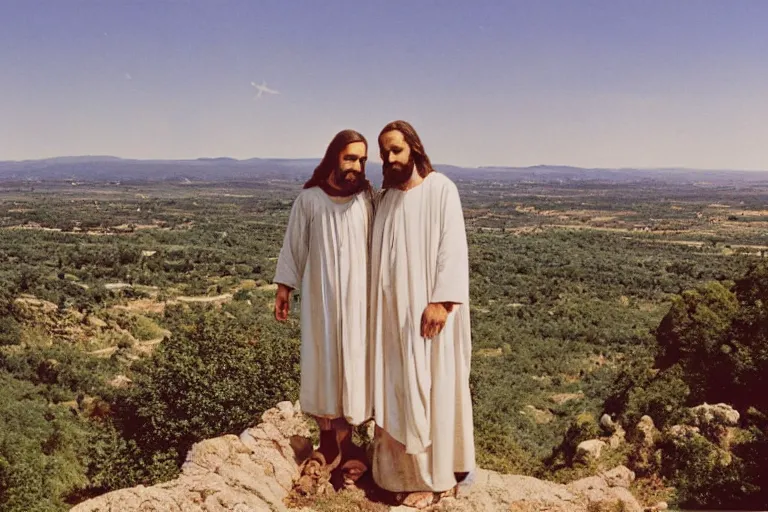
x: 61, y: 371
x: 144, y: 329
x: 713, y: 347
x: 695, y: 333
x: 10, y: 330
x: 713, y: 331
x: 582, y: 428
x: 638, y: 391
x: 40, y: 459
x: 114, y: 462
x: 707, y: 476
x: 555, y: 311
x: 211, y: 377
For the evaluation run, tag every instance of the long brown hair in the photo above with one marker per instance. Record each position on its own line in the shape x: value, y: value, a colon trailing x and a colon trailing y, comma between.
x: 331, y: 159
x: 419, y: 155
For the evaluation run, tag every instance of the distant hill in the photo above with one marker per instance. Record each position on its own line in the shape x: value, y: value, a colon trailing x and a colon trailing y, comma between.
x: 113, y: 169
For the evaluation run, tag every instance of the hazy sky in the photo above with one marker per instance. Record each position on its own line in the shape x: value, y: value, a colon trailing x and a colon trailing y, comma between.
x: 499, y: 82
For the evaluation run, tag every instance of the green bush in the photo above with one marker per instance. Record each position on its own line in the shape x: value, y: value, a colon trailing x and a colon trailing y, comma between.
x: 706, y: 476
x: 211, y: 377
x: 10, y: 330
x: 40, y: 445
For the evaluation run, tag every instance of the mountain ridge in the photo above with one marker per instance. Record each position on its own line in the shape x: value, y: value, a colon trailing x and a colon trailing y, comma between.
x: 101, y: 168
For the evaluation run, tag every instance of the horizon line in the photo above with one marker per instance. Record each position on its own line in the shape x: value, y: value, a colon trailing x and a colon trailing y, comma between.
x: 477, y: 167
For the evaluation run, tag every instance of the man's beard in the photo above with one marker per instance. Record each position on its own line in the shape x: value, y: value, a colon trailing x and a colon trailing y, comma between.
x: 348, y: 182
x: 397, y: 174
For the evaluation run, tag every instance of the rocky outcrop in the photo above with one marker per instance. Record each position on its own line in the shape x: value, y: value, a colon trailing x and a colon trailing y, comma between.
x: 598, y: 491
x: 620, y: 476
x: 589, y: 450
x: 256, y: 471
x: 647, y: 432
x: 250, y: 473
x: 706, y: 415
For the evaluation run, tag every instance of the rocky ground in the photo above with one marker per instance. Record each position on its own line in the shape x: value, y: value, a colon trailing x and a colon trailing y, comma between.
x: 258, y: 470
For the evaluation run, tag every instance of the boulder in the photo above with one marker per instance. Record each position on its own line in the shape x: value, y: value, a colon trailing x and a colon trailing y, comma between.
x: 647, y: 431
x: 609, y: 426
x: 719, y: 414
x: 620, y: 476
x: 589, y: 450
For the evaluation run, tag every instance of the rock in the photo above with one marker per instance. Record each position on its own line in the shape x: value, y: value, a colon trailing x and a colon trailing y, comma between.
x: 620, y: 476
x: 589, y: 450
x: 722, y: 414
x: 253, y: 472
x: 561, y: 398
x: 647, y: 430
x: 680, y: 432
x: 607, y: 423
x: 618, y: 437
x: 257, y: 470
x: 716, y: 422
x: 493, y: 491
x: 540, y: 416
x: 600, y: 494
x: 95, y: 321
x: 645, y: 457
x: 286, y: 410
x: 120, y: 382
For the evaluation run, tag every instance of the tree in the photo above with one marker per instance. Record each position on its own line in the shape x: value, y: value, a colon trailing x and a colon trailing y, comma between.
x: 695, y: 333
x: 211, y: 377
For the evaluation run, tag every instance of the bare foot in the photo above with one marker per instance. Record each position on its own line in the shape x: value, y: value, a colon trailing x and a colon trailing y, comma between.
x: 352, y: 470
x: 314, y: 464
x: 419, y: 500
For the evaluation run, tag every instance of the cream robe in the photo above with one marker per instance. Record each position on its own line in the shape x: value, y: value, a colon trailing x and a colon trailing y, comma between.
x: 325, y: 255
x: 421, y: 397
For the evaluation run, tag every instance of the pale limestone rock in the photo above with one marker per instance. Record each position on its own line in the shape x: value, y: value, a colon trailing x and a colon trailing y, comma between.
x: 286, y: 410
x: 680, y: 432
x: 598, y: 492
x: 618, y: 437
x: 120, y: 382
x: 647, y: 430
x: 493, y: 491
x: 590, y: 449
x: 255, y: 472
x: 540, y: 416
x: 620, y: 476
x: 607, y: 423
x: 720, y: 414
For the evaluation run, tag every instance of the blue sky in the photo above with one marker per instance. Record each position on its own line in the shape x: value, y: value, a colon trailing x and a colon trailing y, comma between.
x: 613, y: 83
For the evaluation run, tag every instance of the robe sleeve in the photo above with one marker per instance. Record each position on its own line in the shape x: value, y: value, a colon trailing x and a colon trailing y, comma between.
x: 452, y: 269
x: 293, y: 254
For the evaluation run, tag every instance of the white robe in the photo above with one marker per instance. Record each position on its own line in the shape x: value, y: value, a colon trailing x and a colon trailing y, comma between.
x: 420, y: 386
x: 325, y: 255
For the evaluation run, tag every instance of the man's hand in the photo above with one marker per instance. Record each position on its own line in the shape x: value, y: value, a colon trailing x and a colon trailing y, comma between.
x: 282, y: 302
x: 434, y: 317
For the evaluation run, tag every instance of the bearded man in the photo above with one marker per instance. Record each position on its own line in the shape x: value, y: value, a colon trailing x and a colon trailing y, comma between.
x: 325, y: 254
x: 419, y: 330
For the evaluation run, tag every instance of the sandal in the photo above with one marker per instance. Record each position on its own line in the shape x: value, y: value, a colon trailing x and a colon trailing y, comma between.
x: 315, y: 476
x: 351, y: 471
x: 314, y: 465
x: 418, y: 500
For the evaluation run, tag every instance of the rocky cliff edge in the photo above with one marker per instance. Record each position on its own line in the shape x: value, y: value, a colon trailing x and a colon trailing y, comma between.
x: 257, y: 471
